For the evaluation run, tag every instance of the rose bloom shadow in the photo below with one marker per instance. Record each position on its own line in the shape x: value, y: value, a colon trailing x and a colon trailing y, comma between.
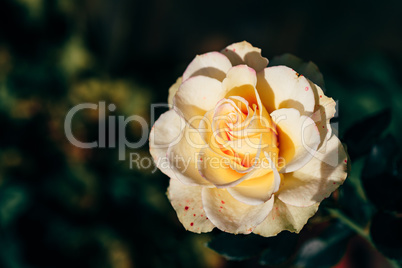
x: 248, y: 148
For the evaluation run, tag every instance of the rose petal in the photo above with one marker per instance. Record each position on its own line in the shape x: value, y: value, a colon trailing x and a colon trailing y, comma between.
x: 257, y: 190
x: 285, y: 217
x: 230, y: 215
x: 298, y: 138
x: 240, y: 82
x: 196, y: 96
x: 324, y: 111
x: 166, y: 130
x: 318, y: 179
x: 219, y: 169
x: 245, y: 53
x: 183, y: 157
x: 212, y: 64
x: 215, y: 167
x: 173, y: 89
x: 281, y: 87
x: 218, y: 126
x: 239, y: 78
x: 323, y: 101
x: 187, y: 202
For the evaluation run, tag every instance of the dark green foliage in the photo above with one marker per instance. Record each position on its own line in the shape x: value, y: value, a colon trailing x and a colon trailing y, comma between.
x: 325, y: 250
x: 238, y: 247
x: 273, y: 250
x: 353, y: 204
x: 381, y: 175
x: 280, y: 250
x: 386, y: 233
x: 361, y: 136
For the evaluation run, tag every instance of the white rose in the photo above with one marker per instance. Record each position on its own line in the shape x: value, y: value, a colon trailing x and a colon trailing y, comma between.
x: 247, y: 148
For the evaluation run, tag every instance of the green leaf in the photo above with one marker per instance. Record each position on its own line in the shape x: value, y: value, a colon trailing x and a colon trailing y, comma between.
x: 238, y: 247
x: 386, y: 233
x: 362, y: 135
x: 326, y: 250
x: 308, y: 69
x: 282, y: 248
x: 381, y: 177
x: 353, y: 205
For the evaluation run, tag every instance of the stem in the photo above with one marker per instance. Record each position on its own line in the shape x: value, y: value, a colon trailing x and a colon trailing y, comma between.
x: 342, y: 217
x: 358, y: 229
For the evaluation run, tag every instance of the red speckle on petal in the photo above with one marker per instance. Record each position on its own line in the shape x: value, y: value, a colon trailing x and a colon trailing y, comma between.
x: 202, y: 215
x: 322, y: 126
x: 191, y: 224
x: 345, y: 161
x: 320, y: 96
x: 194, y: 215
x: 220, y: 210
x: 306, y: 89
x: 186, y: 208
x: 221, y: 207
x: 206, y: 218
x: 234, y: 50
x: 223, y: 202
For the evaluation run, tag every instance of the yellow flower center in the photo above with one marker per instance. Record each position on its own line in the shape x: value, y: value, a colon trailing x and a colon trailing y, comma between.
x: 243, y: 132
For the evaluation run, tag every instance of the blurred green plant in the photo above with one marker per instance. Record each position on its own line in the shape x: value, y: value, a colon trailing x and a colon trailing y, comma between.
x: 63, y: 206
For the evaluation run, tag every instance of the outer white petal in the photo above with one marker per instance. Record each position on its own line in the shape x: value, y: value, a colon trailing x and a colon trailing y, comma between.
x: 183, y: 157
x: 323, y: 101
x: 230, y: 215
x: 245, y: 53
x: 187, y: 202
x: 285, y: 217
x: 196, y: 96
x: 324, y: 111
x: 298, y: 138
x: 173, y: 89
x: 212, y: 64
x: 167, y: 130
x: 281, y: 87
x: 318, y: 179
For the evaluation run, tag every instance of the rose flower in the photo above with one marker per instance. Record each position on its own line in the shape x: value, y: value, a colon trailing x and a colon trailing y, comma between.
x: 248, y: 148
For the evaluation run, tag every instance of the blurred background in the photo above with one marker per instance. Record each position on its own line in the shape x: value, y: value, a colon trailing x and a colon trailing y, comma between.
x: 62, y: 206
